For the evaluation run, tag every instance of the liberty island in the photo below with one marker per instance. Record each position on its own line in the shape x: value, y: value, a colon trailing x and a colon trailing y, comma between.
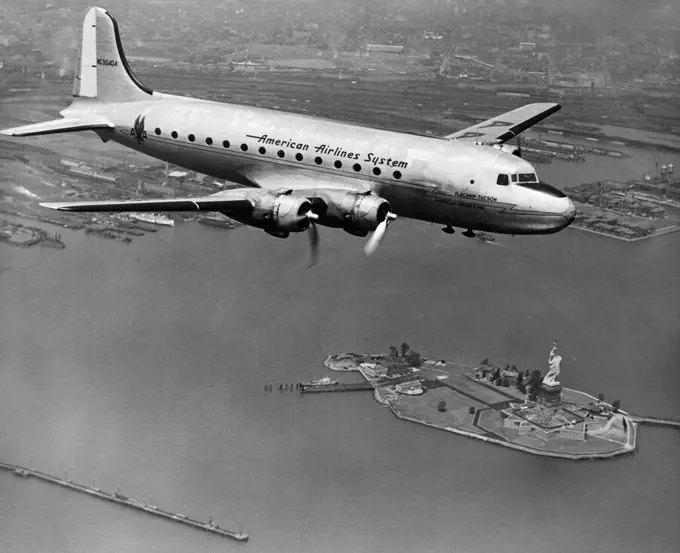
x: 538, y: 416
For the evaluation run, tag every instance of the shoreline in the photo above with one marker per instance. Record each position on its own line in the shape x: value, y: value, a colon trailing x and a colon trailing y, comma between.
x: 519, y: 447
x: 661, y: 232
x: 490, y: 407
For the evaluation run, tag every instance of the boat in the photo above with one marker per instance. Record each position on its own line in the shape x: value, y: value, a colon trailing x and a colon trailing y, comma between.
x: 484, y: 237
x: 155, y: 218
x: 325, y: 381
x: 217, y: 222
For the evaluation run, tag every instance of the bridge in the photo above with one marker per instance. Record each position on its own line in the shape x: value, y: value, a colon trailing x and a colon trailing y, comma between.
x: 125, y: 501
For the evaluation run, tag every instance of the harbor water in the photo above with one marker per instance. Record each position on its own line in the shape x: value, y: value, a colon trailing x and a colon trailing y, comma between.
x: 142, y: 366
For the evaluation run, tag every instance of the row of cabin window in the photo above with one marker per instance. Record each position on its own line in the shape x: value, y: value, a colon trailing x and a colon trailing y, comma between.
x: 299, y: 157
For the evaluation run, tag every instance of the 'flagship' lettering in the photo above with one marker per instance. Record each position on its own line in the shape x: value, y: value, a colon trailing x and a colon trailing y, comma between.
x: 479, y: 197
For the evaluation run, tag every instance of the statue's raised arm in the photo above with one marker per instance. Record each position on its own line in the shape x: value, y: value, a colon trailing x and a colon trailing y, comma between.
x: 554, y: 363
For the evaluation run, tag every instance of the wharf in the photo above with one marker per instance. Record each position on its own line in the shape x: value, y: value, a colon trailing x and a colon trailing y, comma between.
x: 337, y: 387
x: 656, y: 421
x: 125, y: 501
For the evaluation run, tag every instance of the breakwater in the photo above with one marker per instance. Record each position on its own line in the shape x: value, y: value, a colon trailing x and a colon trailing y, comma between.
x: 125, y: 501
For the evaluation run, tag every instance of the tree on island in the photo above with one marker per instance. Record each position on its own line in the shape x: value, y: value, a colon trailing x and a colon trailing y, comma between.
x: 600, y: 397
x: 526, y: 373
x: 496, y: 374
x: 414, y: 358
x: 505, y: 382
x: 535, y: 379
x: 514, y: 368
x: 616, y: 404
x: 441, y: 406
x: 394, y: 352
x: 519, y: 381
x: 485, y: 361
x: 404, y: 348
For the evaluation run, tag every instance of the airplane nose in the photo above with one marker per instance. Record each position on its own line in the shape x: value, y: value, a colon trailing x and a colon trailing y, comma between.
x: 549, y: 189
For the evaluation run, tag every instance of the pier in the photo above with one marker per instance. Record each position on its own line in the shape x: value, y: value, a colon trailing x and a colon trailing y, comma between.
x: 657, y: 421
x: 125, y: 501
x: 338, y: 387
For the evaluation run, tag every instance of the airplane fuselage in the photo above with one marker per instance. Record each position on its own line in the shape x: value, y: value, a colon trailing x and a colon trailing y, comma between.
x: 425, y: 178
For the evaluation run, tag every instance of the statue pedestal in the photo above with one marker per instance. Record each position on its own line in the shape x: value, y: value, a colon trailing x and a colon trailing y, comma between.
x: 550, y: 395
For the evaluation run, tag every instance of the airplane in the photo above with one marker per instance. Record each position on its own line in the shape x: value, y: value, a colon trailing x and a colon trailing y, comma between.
x: 295, y: 171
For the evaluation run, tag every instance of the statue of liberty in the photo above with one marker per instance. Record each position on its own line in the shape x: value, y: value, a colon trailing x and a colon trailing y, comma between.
x: 554, y: 362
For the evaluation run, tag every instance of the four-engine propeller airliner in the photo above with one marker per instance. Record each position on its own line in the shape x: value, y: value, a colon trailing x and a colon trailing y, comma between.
x: 297, y: 171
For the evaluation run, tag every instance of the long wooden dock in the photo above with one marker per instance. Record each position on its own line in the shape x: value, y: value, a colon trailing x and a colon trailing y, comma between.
x: 125, y: 501
x: 338, y: 387
x: 656, y: 421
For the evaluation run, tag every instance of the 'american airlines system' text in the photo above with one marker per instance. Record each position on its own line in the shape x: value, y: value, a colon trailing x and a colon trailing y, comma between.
x: 325, y: 149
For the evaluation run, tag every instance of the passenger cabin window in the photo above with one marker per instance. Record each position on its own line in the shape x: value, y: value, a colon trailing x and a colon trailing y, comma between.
x: 503, y: 180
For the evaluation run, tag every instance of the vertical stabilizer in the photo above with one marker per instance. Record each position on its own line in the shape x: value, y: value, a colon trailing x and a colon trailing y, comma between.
x: 103, y: 71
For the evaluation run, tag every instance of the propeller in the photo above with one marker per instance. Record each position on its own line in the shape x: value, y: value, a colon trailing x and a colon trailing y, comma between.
x: 313, y: 233
x: 378, y: 234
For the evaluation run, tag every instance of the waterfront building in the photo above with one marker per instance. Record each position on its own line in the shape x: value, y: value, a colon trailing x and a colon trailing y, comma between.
x: 373, y: 369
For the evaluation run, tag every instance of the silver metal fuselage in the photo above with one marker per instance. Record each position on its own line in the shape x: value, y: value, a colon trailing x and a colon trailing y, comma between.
x: 425, y: 178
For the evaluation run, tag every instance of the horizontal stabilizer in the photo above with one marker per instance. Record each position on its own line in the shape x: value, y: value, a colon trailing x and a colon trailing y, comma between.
x: 90, y: 123
x: 220, y: 202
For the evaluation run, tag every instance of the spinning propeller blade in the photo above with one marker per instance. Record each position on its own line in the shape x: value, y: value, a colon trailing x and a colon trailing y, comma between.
x: 313, y: 234
x: 378, y: 234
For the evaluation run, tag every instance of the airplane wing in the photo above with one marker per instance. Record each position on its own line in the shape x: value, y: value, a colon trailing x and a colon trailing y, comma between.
x: 502, y: 128
x: 235, y: 202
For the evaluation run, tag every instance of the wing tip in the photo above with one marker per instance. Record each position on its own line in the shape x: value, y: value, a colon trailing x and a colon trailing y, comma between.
x: 54, y: 205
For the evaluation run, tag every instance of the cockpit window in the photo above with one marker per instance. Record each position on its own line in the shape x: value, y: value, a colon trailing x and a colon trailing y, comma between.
x: 514, y: 178
x: 527, y: 177
x: 503, y: 180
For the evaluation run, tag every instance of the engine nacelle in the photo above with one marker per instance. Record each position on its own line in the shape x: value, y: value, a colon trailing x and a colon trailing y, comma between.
x: 358, y: 214
x: 509, y: 149
x: 278, y: 214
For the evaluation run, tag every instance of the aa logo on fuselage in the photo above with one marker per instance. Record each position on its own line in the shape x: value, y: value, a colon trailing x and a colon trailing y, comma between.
x: 138, y: 130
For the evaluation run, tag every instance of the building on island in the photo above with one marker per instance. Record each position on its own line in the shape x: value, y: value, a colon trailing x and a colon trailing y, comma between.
x: 373, y: 369
x: 414, y: 388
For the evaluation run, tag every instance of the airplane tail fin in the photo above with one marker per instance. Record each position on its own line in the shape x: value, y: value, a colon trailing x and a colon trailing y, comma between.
x: 102, y: 75
x: 103, y: 71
